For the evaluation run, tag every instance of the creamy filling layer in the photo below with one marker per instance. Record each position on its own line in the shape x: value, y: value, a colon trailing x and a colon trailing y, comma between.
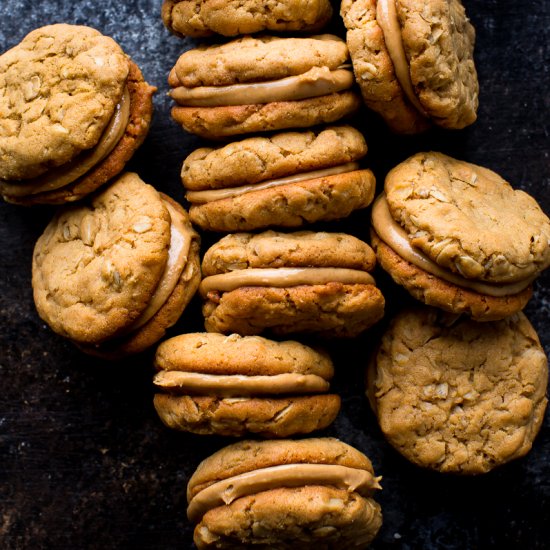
x: 240, y: 385
x: 316, y: 82
x: 80, y: 165
x: 282, y: 277
x: 397, y: 239
x: 286, y: 475
x: 386, y: 17
x: 211, y: 195
x: 178, y: 251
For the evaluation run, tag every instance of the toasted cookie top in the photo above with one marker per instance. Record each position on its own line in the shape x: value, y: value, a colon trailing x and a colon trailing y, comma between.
x: 232, y: 17
x: 299, y: 249
x: 438, y: 39
x: 250, y: 59
x: 59, y: 89
x: 212, y: 353
x: 456, y: 395
x: 261, y: 158
x: 246, y: 456
x: 468, y: 219
x: 97, y: 264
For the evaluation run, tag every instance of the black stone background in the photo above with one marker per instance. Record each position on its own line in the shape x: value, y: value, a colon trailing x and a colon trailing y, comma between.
x: 85, y: 462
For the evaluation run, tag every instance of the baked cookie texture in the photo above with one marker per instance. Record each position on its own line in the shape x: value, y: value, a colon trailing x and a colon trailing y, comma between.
x: 468, y: 226
x: 208, y: 383
x: 201, y: 18
x: 279, y: 282
x: 420, y: 71
x: 68, y: 92
x: 303, y: 177
x: 314, y: 493
x: 459, y: 396
x: 99, y: 266
x: 260, y: 84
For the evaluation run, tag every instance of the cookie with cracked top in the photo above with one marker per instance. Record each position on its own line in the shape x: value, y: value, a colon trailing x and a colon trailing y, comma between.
x: 285, y: 180
x: 262, y: 84
x: 113, y: 273
x: 234, y: 385
x: 200, y: 18
x: 285, y: 283
x: 459, y: 237
x: 76, y: 108
x: 458, y: 396
x: 312, y: 493
x: 414, y: 61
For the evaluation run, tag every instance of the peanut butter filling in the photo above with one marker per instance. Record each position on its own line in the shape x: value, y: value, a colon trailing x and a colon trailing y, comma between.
x: 283, y: 277
x: 396, y: 238
x: 211, y: 195
x: 83, y: 163
x: 240, y: 385
x: 180, y: 244
x: 316, y: 82
x: 287, y: 475
x: 386, y: 17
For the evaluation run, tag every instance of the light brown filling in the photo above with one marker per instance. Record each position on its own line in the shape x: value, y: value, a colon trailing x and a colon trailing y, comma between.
x: 210, y: 195
x: 396, y: 238
x: 240, y: 385
x: 83, y: 163
x: 286, y: 475
x: 180, y: 244
x: 316, y: 82
x: 283, y: 277
x: 386, y: 17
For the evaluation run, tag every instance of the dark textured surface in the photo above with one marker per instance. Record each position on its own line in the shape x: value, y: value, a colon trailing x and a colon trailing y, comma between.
x: 84, y: 461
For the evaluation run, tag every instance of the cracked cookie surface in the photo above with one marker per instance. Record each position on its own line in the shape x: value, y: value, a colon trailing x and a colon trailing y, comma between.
x: 60, y: 85
x: 459, y: 396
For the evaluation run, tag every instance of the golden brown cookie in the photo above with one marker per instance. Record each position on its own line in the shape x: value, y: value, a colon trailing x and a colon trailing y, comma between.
x: 231, y: 17
x: 232, y: 385
x: 414, y: 61
x: 459, y: 237
x: 262, y: 84
x: 286, y: 283
x: 313, y: 493
x: 114, y: 273
x: 76, y: 108
x: 459, y: 396
x: 284, y: 180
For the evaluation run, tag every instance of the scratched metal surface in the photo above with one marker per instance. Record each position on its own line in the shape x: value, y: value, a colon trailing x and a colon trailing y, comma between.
x: 85, y: 463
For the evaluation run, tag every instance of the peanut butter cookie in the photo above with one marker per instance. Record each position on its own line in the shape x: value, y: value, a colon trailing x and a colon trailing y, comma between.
x: 313, y: 493
x: 459, y: 396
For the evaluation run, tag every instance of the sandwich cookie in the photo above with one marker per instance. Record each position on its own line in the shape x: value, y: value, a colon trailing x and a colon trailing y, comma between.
x: 231, y: 17
x: 112, y: 274
x: 313, y: 282
x: 458, y: 396
x: 262, y: 84
x: 232, y: 385
x: 74, y: 109
x: 459, y: 237
x: 308, y: 494
x: 284, y: 180
x: 414, y: 61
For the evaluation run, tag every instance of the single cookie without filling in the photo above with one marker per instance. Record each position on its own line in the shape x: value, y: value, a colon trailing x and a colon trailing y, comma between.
x: 285, y: 180
x: 200, y: 18
x: 74, y: 109
x: 112, y: 274
x: 414, y: 61
x: 262, y: 84
x: 209, y: 383
x: 459, y: 396
x: 308, y: 494
x: 459, y: 237
x: 314, y: 282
